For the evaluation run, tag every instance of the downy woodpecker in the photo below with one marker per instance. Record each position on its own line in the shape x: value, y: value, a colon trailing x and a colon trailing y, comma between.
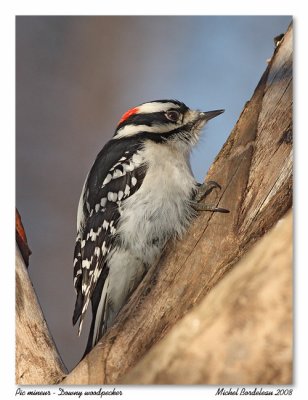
x: 139, y: 193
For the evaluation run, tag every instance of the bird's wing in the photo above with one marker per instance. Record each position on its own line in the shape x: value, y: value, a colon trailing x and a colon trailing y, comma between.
x: 100, y: 206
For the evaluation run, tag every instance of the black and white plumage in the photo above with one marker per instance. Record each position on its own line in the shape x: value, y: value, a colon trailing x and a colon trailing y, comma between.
x: 137, y: 195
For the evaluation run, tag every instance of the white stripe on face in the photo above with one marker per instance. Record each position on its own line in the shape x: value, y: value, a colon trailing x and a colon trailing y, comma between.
x: 130, y: 130
x: 148, y: 108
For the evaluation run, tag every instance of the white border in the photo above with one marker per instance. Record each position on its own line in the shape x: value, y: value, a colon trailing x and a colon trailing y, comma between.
x: 98, y: 7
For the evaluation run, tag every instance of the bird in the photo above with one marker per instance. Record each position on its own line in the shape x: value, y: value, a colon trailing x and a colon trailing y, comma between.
x: 139, y: 194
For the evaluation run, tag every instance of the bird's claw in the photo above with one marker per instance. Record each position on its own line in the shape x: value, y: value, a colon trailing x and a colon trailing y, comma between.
x: 203, y: 190
x: 206, y: 188
x: 208, y: 207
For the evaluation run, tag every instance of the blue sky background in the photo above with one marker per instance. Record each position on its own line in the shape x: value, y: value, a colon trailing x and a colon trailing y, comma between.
x: 75, y: 77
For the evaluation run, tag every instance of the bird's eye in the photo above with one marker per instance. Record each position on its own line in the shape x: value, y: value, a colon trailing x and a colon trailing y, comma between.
x: 173, y: 115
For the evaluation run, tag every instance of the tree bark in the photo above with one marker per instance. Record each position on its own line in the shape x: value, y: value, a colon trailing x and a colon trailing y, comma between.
x: 241, y: 333
x: 37, y: 361
x: 255, y: 170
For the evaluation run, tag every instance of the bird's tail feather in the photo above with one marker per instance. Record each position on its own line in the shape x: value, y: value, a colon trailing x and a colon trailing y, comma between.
x: 99, y: 311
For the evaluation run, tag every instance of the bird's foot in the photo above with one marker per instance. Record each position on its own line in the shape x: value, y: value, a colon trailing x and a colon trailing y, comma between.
x: 205, y: 189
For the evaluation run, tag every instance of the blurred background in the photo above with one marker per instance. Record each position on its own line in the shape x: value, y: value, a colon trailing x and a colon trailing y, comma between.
x: 75, y: 77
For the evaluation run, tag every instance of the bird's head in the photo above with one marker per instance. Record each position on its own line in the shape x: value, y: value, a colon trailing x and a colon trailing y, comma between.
x: 163, y: 120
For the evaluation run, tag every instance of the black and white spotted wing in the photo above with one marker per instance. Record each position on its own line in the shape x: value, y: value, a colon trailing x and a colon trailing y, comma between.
x: 120, y: 171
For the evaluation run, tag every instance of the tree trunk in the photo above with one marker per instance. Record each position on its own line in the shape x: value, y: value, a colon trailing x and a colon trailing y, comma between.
x: 241, y: 333
x: 255, y: 170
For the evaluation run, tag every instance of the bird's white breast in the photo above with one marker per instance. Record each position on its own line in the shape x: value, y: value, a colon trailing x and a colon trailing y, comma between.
x: 160, y: 209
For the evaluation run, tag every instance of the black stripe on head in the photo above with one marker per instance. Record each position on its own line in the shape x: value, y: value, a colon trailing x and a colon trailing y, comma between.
x: 145, y: 119
x: 176, y: 102
x: 183, y: 132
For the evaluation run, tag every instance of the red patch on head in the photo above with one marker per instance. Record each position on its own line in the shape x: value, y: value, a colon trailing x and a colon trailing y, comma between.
x: 128, y: 113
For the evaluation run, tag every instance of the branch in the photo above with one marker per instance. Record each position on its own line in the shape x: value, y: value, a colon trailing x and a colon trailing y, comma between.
x: 255, y: 170
x: 37, y: 360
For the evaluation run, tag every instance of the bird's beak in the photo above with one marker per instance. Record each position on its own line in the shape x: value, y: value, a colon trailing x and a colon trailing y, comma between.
x: 207, y: 115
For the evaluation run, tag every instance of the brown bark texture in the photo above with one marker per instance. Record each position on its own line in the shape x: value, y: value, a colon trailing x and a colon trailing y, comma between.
x: 241, y: 333
x: 36, y: 359
x: 254, y: 169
